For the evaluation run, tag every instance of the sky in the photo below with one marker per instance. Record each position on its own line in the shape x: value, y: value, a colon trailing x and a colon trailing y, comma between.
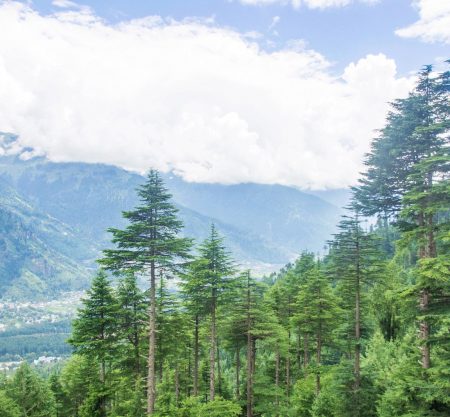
x: 270, y: 91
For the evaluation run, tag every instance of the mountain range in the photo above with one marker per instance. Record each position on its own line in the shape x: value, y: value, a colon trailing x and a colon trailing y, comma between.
x: 54, y: 217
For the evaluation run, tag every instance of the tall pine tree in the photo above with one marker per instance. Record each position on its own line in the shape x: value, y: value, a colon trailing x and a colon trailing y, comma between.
x: 132, y: 319
x: 356, y: 263
x: 317, y: 314
x: 149, y: 244
x: 210, y: 281
x: 407, y: 174
x: 94, y: 332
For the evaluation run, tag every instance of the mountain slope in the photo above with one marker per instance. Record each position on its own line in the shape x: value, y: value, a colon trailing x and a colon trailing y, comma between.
x: 339, y: 197
x: 40, y: 256
x: 91, y: 197
x: 73, y: 204
x: 280, y: 217
x: 291, y: 219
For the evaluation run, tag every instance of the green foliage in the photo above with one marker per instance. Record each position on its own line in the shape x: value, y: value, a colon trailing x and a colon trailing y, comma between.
x: 416, y: 130
x: 403, y: 382
x: 95, y: 334
x: 219, y: 408
x: 61, y: 399
x: 73, y: 377
x: 129, y: 400
x: 351, y: 401
x: 208, y: 286
x: 151, y: 238
x: 317, y: 312
x: 94, y: 330
x: 391, y: 311
x: 150, y: 244
x: 78, y: 377
x: 304, y: 396
x: 434, y: 275
x: 31, y: 393
x: 130, y: 324
x: 8, y: 408
x: 167, y: 401
x: 210, y: 275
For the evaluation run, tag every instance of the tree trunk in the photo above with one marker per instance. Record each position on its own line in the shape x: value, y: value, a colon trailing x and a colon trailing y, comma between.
x: 212, y: 352
x: 288, y: 376
x: 357, y: 365
x: 288, y: 367
x: 319, y: 344
x: 357, y: 337
x: 159, y: 312
x: 160, y: 363
x: 177, y: 386
x: 277, y: 376
x: 253, y: 355
x: 219, y: 376
x: 151, y: 380
x: 428, y: 250
x: 135, y: 340
x: 318, y: 358
x: 137, y: 356
x: 188, y: 358
x: 196, y: 356
x: 249, y: 374
x: 425, y: 330
x: 103, y: 382
x: 288, y: 357
x: 305, y: 351
x: 238, y: 371
x: 431, y: 241
x: 250, y: 358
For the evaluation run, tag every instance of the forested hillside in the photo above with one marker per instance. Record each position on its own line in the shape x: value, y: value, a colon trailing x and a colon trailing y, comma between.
x: 359, y: 332
x: 40, y: 255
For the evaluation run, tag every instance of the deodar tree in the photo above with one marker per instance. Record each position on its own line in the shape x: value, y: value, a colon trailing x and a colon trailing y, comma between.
x: 407, y: 175
x: 356, y: 265
x: 207, y: 285
x: 95, y: 333
x: 149, y: 244
x: 317, y: 314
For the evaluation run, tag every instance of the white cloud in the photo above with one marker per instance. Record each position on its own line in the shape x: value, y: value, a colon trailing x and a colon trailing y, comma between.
x: 433, y: 24
x: 312, y: 4
x: 204, y: 101
x: 274, y: 22
x: 65, y: 4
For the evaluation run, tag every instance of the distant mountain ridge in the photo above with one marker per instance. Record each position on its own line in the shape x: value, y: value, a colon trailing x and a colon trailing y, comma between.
x: 291, y: 219
x: 265, y: 226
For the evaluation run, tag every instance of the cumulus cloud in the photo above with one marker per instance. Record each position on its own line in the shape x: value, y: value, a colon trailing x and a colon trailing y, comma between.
x: 433, y: 24
x: 312, y: 4
x: 203, y: 101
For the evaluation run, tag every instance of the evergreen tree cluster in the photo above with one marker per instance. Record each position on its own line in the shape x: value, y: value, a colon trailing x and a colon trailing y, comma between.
x: 362, y: 331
